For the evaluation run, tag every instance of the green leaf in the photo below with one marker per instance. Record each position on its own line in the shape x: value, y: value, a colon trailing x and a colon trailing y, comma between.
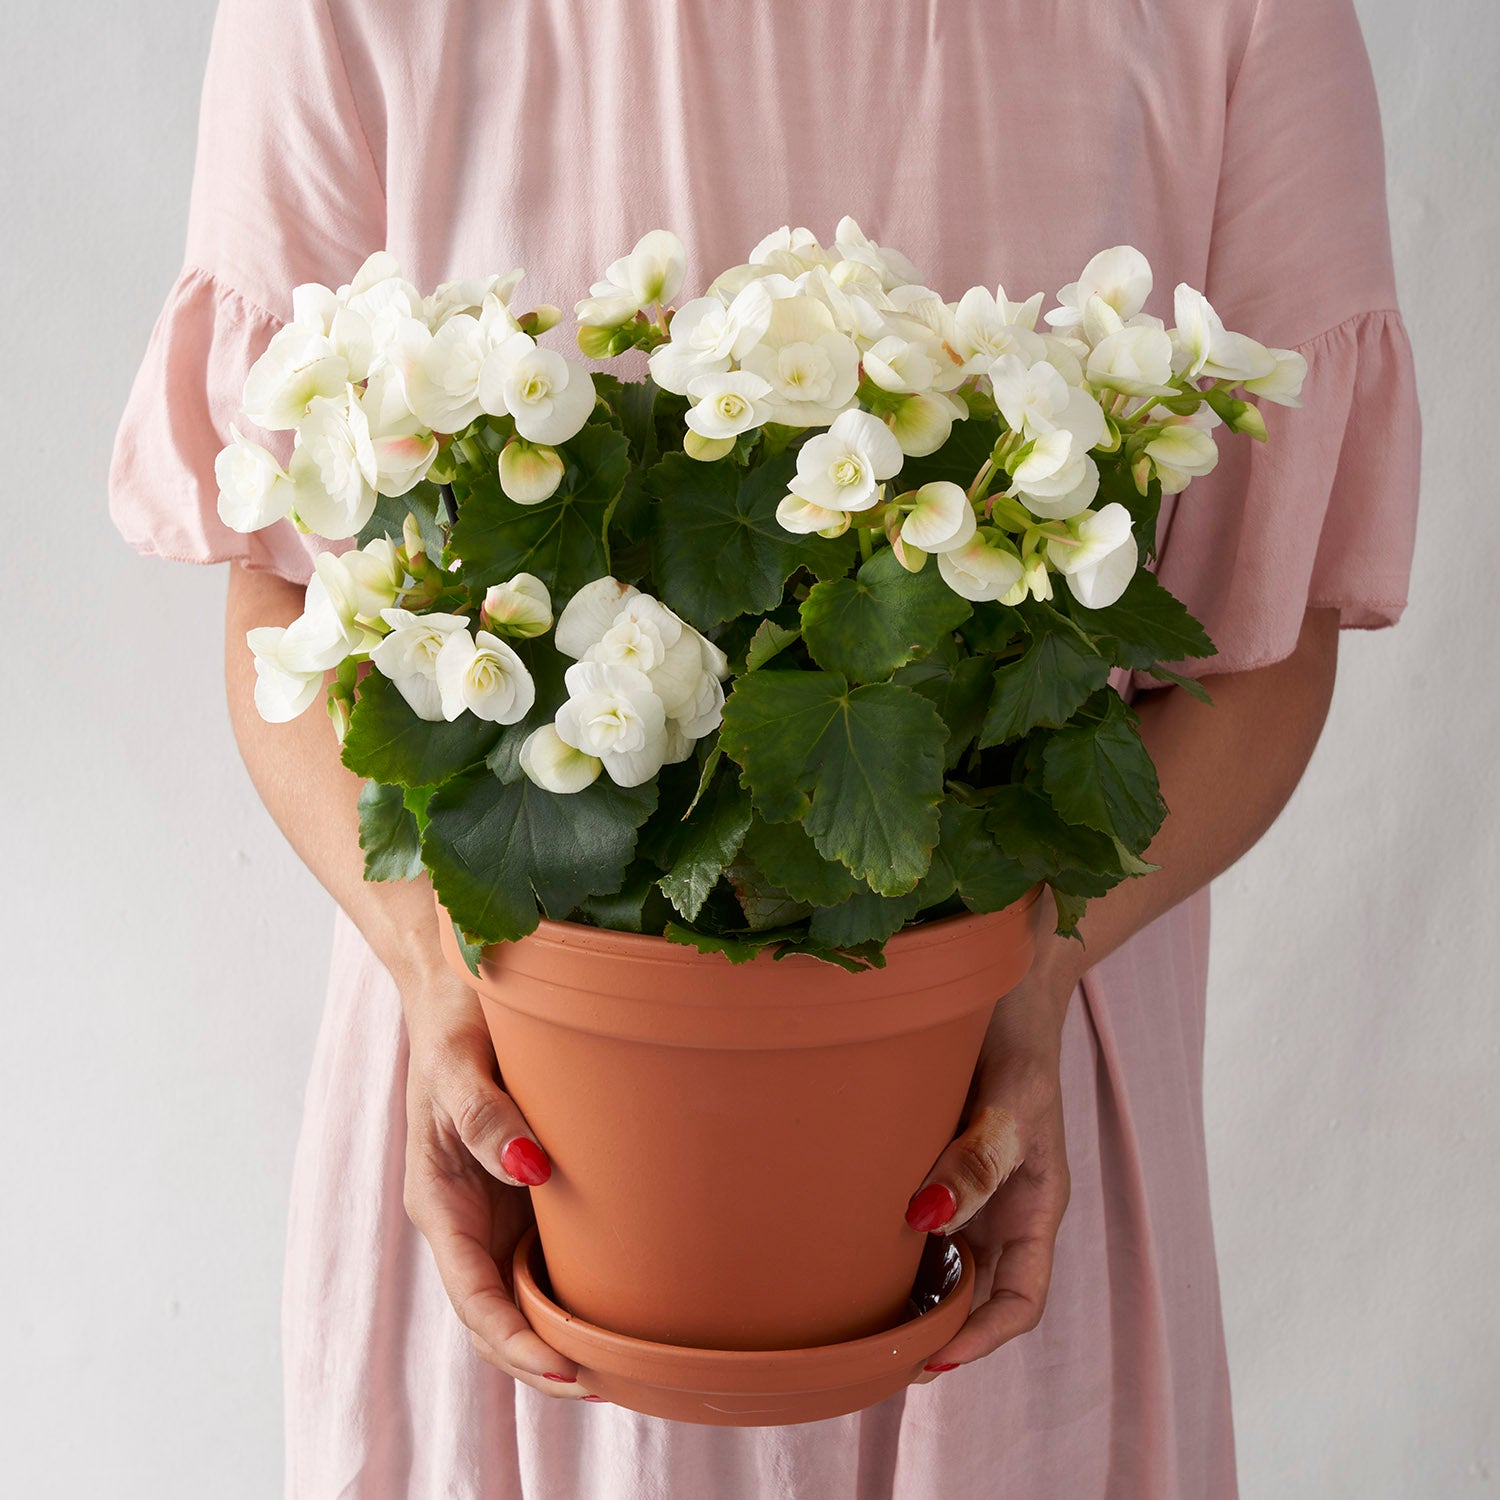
x: 1070, y: 909
x: 958, y: 461
x: 769, y: 640
x: 1117, y: 486
x: 638, y: 906
x: 1190, y: 685
x: 424, y: 501
x: 1100, y: 775
x: 737, y: 949
x: 1026, y: 827
x: 958, y: 687
x: 1055, y: 677
x: 719, y: 550
x: 862, y: 768
x: 495, y: 849
x: 388, y: 834
x: 470, y: 952
x: 789, y: 859
x: 715, y: 831
x: 863, y: 918
x: 388, y: 742
x: 853, y: 960
x: 561, y: 540
x: 867, y: 626
x: 969, y: 861
x: 1146, y: 624
x: 761, y: 903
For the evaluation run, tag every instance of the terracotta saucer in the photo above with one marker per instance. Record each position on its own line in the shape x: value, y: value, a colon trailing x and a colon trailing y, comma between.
x: 760, y: 1387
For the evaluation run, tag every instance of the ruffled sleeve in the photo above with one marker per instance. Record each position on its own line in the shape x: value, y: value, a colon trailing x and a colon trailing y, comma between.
x: 1324, y: 513
x: 285, y: 190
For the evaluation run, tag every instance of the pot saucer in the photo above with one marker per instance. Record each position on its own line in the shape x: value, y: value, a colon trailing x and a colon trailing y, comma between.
x: 758, y: 1387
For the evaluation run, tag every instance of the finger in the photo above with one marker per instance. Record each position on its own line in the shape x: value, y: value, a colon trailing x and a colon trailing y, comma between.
x: 453, y: 1217
x: 493, y: 1130
x: 969, y: 1171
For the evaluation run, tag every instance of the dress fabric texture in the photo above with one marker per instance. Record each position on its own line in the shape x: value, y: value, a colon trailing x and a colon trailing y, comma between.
x: 992, y: 141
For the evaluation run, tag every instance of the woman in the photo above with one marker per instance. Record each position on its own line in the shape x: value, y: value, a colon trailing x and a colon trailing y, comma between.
x: 1238, y: 144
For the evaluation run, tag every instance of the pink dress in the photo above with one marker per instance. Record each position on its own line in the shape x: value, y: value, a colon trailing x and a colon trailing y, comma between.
x: 1238, y: 144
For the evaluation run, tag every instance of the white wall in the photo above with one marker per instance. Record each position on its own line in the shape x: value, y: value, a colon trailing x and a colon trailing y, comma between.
x: 165, y: 951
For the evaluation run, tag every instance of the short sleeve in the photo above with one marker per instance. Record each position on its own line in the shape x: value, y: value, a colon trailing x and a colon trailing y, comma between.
x: 285, y: 190
x: 1324, y: 513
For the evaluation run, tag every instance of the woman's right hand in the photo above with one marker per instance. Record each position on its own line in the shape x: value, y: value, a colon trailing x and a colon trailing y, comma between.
x: 470, y: 1157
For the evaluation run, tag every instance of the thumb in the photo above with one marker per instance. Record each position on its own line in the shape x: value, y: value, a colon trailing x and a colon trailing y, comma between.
x: 967, y: 1174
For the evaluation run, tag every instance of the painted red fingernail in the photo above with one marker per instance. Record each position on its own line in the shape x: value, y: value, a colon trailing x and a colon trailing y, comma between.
x: 938, y: 1369
x: 594, y: 1398
x: 525, y: 1161
x: 932, y: 1207
x: 570, y: 1379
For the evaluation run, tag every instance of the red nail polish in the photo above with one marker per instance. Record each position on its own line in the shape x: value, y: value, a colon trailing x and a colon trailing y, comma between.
x: 938, y: 1369
x: 570, y: 1379
x: 524, y: 1160
x: 932, y: 1207
x: 594, y: 1398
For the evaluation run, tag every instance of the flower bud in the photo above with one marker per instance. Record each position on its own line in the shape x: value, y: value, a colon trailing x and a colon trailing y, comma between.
x: 541, y: 317
x: 912, y: 558
x: 556, y: 766
x: 530, y: 472
x: 705, y: 449
x: 522, y: 607
x: 1247, y: 418
x: 1140, y: 471
x: 340, y: 707
x: 595, y: 342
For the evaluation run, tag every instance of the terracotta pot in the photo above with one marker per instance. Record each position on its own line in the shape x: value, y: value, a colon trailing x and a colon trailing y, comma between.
x: 733, y: 1146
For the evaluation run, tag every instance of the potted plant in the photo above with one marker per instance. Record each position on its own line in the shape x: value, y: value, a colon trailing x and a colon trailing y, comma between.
x: 738, y: 715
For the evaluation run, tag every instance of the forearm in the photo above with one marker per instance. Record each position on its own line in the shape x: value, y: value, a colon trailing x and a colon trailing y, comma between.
x: 1226, y: 772
x: 314, y: 797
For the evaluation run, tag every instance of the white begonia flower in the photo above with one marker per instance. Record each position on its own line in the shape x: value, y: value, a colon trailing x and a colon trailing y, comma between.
x: 842, y: 469
x: 298, y: 366
x: 613, y: 713
x: 334, y: 470
x: 941, y: 518
x: 812, y: 367
x: 589, y: 613
x: 530, y: 472
x: 1136, y: 360
x: 728, y: 404
x: 554, y: 765
x: 987, y: 326
x: 254, y: 490
x: 986, y: 567
x: 1036, y: 400
x: 282, y: 690
x: 1284, y: 384
x: 1120, y: 276
x: 549, y: 397
x: 805, y: 519
x: 1067, y: 493
x: 468, y: 295
x: 1181, y: 452
x: 852, y: 306
x: 900, y: 365
x: 521, y: 607
x: 1099, y: 558
x: 791, y: 251
x: 483, y: 674
x: 360, y: 584
x: 707, y: 335
x: 1204, y: 347
x: 404, y: 446
x: 290, y: 661
x: 923, y: 422
x: 443, y: 370
x: 652, y: 272
x: 409, y: 655
x: 852, y: 244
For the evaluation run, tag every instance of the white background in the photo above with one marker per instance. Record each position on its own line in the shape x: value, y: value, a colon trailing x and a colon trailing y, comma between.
x: 165, y: 952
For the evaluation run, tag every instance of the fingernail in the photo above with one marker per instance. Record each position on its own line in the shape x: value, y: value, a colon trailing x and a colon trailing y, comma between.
x: 932, y: 1207
x: 594, y: 1398
x: 570, y: 1379
x: 525, y: 1161
x: 938, y: 1369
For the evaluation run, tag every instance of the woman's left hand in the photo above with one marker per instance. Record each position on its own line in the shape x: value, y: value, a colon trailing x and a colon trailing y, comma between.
x: 1004, y: 1179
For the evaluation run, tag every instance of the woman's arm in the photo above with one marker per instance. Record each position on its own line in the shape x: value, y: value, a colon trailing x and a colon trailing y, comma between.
x: 1226, y: 772
x: 461, y: 1128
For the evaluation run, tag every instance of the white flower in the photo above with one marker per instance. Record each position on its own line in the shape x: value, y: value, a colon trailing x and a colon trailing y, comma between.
x: 853, y: 244
x: 896, y: 364
x: 1284, y: 384
x: 791, y: 251
x: 298, y: 365
x: 798, y: 515
x: 988, y: 325
x: 443, y: 370
x: 483, y: 674
x: 1120, y: 277
x: 1183, y: 451
x: 842, y: 469
x: 1136, y: 360
x: 1035, y: 400
x: 613, y: 713
x: 986, y: 567
x: 468, y: 295
x: 652, y: 272
x: 282, y: 689
x: 1204, y: 347
x: 530, y: 472
x: 1063, y: 494
x: 554, y: 765
x: 361, y: 584
x: 548, y: 396
x: 728, y: 404
x: 254, y: 490
x: 404, y: 447
x: 589, y: 613
x: 334, y: 468
x: 923, y: 422
x: 812, y: 367
x: 1099, y: 558
x: 521, y: 607
x: 708, y: 335
x: 941, y: 518
x: 409, y: 655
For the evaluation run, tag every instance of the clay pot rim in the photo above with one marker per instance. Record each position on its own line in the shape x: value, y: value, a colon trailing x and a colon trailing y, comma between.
x: 657, y: 949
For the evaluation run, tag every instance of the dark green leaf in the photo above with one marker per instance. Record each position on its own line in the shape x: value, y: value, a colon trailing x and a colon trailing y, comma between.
x: 638, y: 906
x: 1058, y: 673
x: 958, y: 461
x: 1026, y: 827
x: 389, y: 517
x: 388, y: 742
x: 958, y: 687
x: 969, y: 861
x: 1190, y: 685
x: 1070, y: 909
x: 471, y: 952
x: 853, y: 960
x: 862, y: 768
x: 715, y: 831
x: 1100, y: 775
x: 763, y: 904
x: 388, y: 834
x: 769, y: 640
x: 789, y: 859
x: 1146, y: 624
x: 719, y: 550
x: 494, y: 849
x: 738, y: 950
x: 867, y: 626
x: 863, y: 918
